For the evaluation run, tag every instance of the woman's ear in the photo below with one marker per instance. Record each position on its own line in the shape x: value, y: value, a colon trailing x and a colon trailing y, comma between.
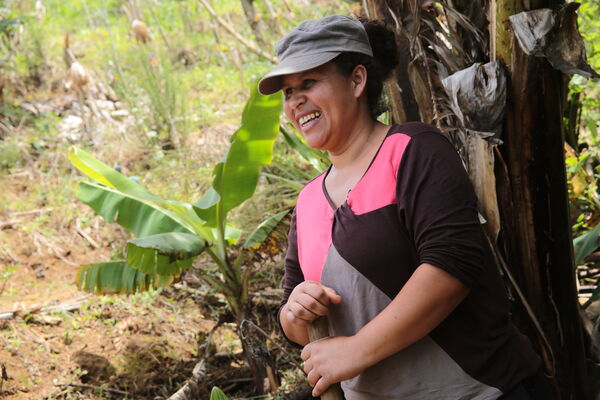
x: 359, y: 80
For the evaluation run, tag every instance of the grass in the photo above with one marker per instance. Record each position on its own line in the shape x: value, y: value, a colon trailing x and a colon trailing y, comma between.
x: 195, y: 107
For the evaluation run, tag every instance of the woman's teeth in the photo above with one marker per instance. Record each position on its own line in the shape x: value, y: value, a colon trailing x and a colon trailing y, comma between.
x: 307, y: 118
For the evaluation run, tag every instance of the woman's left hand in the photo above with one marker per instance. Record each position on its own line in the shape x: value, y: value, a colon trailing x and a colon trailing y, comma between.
x: 331, y: 360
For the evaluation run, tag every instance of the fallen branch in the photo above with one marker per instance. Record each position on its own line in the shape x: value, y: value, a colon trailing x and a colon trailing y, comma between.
x: 4, y: 224
x: 38, y: 211
x: 85, y: 235
x: 251, y: 46
x: 92, y: 387
x: 44, y: 309
x: 232, y: 383
x: 58, y: 251
x: 35, y: 338
x: 272, y: 341
x: 191, y: 389
x: 9, y: 256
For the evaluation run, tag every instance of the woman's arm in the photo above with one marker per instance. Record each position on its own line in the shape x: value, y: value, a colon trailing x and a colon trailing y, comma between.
x: 424, y: 302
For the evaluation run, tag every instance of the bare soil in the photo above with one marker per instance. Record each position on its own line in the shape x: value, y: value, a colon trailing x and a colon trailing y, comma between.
x: 140, y: 347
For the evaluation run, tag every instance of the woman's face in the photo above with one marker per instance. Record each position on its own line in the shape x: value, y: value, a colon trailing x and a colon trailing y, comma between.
x: 322, y: 105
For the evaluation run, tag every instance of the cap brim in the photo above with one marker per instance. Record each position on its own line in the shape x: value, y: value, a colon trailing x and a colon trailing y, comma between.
x: 272, y: 82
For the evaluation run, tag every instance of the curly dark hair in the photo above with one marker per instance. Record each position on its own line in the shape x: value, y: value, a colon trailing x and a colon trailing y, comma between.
x: 379, y: 67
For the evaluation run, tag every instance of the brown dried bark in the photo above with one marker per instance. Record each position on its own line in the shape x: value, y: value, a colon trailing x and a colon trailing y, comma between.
x: 535, y: 235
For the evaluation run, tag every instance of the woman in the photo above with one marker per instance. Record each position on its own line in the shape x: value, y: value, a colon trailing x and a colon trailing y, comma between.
x: 387, y: 241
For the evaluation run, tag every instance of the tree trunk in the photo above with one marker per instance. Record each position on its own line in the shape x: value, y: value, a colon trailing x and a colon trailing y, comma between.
x: 535, y: 233
x: 254, y: 21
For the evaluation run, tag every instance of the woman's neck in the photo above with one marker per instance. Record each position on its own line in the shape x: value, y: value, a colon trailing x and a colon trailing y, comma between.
x: 365, y: 135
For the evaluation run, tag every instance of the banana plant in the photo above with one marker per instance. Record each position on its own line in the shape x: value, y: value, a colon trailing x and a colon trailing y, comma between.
x: 169, y: 235
x: 217, y: 394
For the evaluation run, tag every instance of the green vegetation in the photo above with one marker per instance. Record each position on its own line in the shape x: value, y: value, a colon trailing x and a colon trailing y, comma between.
x: 162, y: 110
x: 170, y: 234
x: 582, y: 126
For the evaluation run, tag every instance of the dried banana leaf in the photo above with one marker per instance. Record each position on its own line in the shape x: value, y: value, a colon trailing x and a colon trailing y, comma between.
x: 477, y: 96
x: 553, y: 34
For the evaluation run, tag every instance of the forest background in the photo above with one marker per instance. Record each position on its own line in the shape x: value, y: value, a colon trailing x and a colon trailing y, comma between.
x: 161, y: 109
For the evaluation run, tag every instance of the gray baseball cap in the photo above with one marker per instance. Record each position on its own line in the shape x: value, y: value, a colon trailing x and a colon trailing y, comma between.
x: 313, y: 43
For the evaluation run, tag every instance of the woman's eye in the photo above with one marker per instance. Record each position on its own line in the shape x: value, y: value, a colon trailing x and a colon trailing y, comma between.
x: 308, y: 83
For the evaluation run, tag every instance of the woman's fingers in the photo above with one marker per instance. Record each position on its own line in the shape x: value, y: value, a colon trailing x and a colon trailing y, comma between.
x: 299, y: 313
x: 320, y: 387
x: 305, y: 354
x: 312, y: 377
x: 322, y: 294
x: 333, y: 296
x: 308, y: 301
x: 312, y: 305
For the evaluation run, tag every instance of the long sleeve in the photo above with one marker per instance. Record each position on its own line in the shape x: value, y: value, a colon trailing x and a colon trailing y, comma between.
x: 293, y: 274
x: 438, y: 206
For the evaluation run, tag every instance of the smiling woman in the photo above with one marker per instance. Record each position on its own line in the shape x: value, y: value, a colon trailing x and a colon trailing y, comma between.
x: 387, y: 241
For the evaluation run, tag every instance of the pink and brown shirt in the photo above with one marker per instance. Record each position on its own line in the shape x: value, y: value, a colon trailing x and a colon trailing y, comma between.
x: 413, y: 205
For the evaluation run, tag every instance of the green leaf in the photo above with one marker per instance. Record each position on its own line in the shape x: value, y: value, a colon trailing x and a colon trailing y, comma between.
x: 140, y: 217
x: 108, y: 176
x: 258, y: 236
x: 117, y: 277
x: 7, y: 23
x: 217, y: 394
x: 165, y: 253
x: 186, y: 212
x: 318, y: 159
x: 236, y: 176
x: 595, y: 297
x: 183, y: 213
x: 232, y: 234
x: 586, y: 244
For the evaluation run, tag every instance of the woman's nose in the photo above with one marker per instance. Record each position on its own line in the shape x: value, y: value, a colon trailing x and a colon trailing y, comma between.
x: 295, y: 100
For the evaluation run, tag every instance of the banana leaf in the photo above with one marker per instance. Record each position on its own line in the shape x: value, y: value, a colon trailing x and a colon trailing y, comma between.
x: 108, y: 176
x: 165, y: 253
x: 186, y: 212
x: 236, y: 176
x: 586, y: 244
x: 140, y: 217
x: 318, y: 159
x: 117, y: 277
x: 217, y: 394
x: 232, y: 234
x: 258, y: 236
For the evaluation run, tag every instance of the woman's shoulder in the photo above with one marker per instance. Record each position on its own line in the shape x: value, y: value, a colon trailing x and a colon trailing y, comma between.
x: 314, y: 187
x: 413, y: 129
x: 421, y: 138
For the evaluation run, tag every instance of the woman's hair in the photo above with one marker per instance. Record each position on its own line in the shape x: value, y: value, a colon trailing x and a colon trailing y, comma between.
x: 379, y: 67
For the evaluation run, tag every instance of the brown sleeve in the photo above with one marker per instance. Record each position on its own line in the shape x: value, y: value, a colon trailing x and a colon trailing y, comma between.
x: 437, y: 204
x: 293, y: 275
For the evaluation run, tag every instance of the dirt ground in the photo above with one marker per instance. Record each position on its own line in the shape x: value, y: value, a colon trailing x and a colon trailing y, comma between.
x: 57, y: 342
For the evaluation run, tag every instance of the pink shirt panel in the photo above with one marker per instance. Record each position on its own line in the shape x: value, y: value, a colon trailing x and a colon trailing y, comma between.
x: 313, y: 228
x: 377, y: 188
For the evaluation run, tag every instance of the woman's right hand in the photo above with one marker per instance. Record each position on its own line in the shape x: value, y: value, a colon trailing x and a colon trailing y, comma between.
x: 308, y: 301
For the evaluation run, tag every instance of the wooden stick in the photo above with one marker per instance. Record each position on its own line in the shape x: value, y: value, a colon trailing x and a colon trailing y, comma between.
x: 28, y: 212
x: 92, y: 387
x: 4, y: 224
x: 319, y: 330
x: 45, y: 309
x: 251, y: 46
